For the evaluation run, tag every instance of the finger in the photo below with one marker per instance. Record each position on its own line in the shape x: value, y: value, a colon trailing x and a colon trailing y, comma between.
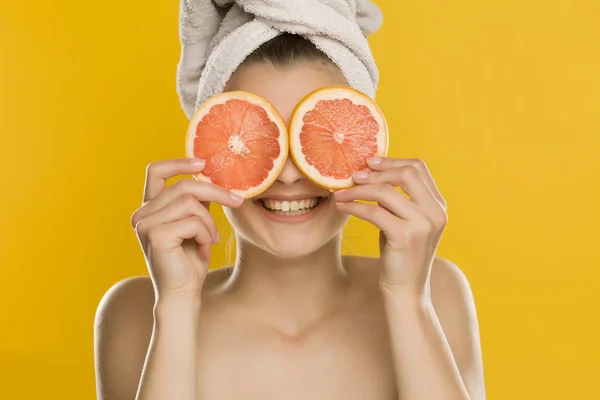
x: 202, y: 191
x: 384, y: 163
x: 158, y: 172
x: 407, y: 177
x: 379, y: 217
x: 204, y: 252
x: 169, y: 237
x: 183, y: 207
x: 195, y: 250
x: 386, y: 195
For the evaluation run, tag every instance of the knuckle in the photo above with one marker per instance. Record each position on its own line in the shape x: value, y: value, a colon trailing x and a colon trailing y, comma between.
x: 209, y: 221
x: 134, y: 218
x: 193, y: 206
x: 386, y: 190
x: 443, y: 204
x: 141, y: 228
x: 383, y: 188
x: 380, y: 213
x: 180, y: 183
x: 155, y: 235
x: 410, y: 235
x: 414, y: 235
x: 419, y: 229
x: 418, y: 163
x: 182, y: 186
x: 410, y: 172
x: 188, y: 200
x: 389, y: 189
x: 200, y: 227
x: 196, y: 220
x: 426, y: 226
x: 440, y: 217
x: 152, y: 167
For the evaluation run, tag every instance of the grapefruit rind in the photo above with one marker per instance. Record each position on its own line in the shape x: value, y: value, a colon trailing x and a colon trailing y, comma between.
x: 296, y: 124
x: 274, y: 116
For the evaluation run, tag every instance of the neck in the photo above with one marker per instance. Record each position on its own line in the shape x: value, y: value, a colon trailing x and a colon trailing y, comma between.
x: 290, y: 294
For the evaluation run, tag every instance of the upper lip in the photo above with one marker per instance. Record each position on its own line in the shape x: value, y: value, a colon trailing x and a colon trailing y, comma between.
x: 288, y: 197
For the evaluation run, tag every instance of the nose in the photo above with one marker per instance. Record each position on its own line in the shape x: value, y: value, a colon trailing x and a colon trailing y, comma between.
x: 290, y: 173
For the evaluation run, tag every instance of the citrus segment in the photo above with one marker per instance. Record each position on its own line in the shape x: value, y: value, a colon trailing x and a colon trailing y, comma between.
x: 243, y: 140
x: 333, y: 131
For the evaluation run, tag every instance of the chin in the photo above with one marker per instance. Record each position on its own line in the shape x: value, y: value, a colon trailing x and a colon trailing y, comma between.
x: 288, y: 228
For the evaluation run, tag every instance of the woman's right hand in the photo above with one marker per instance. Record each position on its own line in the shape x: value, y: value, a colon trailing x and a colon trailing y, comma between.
x: 175, y: 228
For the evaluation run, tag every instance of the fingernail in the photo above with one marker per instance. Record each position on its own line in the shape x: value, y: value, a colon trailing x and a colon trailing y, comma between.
x: 361, y: 175
x: 236, y: 198
x: 339, y: 191
x: 374, y: 160
x: 196, y: 162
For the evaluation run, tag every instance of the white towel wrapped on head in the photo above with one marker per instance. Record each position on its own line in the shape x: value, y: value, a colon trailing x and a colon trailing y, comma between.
x: 217, y: 36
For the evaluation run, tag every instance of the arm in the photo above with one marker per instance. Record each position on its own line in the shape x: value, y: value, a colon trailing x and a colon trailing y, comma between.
x: 146, y: 346
x: 171, y: 368
x: 145, y: 350
x: 435, y: 340
x: 435, y: 349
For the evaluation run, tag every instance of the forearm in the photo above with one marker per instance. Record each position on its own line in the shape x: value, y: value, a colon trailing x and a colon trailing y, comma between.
x: 171, y: 367
x: 425, y: 367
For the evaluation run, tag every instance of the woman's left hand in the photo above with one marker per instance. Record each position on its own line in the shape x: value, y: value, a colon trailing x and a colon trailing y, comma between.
x: 410, y: 229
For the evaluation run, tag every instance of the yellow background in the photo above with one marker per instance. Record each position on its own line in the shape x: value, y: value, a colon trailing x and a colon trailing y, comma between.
x: 501, y: 99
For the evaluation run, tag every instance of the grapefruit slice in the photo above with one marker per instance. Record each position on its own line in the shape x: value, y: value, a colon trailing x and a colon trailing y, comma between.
x: 243, y: 140
x: 333, y: 131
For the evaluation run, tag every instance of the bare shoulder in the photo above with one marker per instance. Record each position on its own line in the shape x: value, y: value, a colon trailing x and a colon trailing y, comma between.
x: 447, y: 280
x: 451, y: 293
x: 130, y: 300
x: 453, y: 301
x: 128, y: 303
x: 127, y: 307
x: 454, y: 305
x: 122, y: 331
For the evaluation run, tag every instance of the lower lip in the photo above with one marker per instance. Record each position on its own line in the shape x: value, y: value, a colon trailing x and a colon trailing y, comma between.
x: 293, y: 218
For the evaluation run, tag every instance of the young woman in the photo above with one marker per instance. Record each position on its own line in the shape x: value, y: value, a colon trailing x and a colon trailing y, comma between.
x: 292, y: 318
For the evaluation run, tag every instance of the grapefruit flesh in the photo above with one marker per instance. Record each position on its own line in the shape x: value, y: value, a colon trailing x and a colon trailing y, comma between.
x: 243, y: 140
x: 333, y: 131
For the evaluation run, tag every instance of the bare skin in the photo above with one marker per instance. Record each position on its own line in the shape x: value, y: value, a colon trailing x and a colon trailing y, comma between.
x: 292, y: 318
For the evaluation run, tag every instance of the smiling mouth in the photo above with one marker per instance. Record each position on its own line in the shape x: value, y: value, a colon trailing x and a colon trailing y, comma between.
x: 291, y: 208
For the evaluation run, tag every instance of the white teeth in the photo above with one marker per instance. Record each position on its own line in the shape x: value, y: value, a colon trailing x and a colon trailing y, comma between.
x: 290, y: 207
